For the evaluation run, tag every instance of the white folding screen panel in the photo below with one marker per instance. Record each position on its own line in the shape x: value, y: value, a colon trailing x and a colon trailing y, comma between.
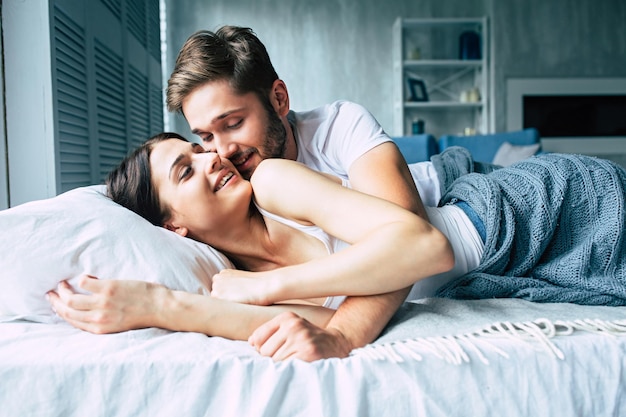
x: 70, y: 78
x: 4, y: 181
x: 28, y: 100
x: 103, y: 74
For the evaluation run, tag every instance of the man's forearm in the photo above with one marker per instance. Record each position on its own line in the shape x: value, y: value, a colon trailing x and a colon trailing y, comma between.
x: 361, y: 319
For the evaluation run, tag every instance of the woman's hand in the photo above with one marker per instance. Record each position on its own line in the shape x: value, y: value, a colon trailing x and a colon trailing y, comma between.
x: 244, y: 287
x: 112, y: 305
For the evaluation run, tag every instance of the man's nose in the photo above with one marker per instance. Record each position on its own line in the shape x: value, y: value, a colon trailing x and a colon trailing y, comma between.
x: 222, y: 146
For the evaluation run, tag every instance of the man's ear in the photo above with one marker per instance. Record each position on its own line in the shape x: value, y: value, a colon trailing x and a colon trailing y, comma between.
x: 279, y: 97
x: 176, y: 229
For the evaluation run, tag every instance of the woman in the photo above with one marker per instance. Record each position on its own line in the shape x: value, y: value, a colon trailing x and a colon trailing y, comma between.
x: 546, y: 229
x: 199, y: 195
x: 271, y: 231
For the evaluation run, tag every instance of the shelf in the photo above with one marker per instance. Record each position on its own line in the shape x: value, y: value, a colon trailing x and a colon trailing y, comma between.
x: 413, y: 63
x: 429, y: 51
x: 412, y: 23
x: 442, y: 104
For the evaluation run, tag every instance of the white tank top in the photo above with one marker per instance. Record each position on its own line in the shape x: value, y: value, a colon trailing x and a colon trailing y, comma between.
x: 452, y: 221
x: 331, y: 243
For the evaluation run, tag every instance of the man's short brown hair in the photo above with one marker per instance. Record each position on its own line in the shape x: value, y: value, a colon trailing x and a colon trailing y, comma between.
x: 231, y: 53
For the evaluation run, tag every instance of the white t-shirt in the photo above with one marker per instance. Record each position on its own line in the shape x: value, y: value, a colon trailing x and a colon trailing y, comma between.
x: 330, y: 138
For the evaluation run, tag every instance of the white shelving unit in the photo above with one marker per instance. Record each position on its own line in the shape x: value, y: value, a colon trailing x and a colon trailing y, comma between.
x: 457, y: 89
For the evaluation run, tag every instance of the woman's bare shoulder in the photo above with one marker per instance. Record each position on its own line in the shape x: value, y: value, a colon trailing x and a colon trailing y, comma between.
x: 288, y: 188
x: 276, y: 169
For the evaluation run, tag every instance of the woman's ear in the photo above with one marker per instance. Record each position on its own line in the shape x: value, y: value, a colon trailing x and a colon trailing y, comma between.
x: 176, y: 229
x: 279, y: 97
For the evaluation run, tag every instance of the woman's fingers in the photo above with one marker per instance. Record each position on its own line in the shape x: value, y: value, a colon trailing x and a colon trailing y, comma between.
x: 243, y: 287
x: 77, y: 318
x: 83, y: 311
x: 90, y: 283
x: 73, y: 300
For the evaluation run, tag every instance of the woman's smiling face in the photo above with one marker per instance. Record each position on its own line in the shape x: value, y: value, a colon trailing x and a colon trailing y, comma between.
x: 203, y: 192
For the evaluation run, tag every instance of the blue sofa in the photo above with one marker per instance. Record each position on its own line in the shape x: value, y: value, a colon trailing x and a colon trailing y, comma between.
x: 418, y: 148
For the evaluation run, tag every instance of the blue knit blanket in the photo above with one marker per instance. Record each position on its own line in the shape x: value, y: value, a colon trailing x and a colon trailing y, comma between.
x: 555, y: 228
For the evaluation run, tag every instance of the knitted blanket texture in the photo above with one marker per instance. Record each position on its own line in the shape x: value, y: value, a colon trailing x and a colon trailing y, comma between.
x: 555, y: 227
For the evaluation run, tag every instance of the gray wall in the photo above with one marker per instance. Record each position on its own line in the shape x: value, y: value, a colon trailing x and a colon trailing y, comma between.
x: 325, y: 50
x: 341, y: 49
x: 556, y: 38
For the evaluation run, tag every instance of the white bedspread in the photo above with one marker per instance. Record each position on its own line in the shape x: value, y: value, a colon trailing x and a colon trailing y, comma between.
x: 412, y: 370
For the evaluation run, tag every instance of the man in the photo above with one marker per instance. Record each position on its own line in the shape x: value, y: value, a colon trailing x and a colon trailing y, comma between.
x: 225, y: 78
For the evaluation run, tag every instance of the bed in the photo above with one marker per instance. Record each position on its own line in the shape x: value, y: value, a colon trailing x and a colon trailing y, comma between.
x: 437, y: 357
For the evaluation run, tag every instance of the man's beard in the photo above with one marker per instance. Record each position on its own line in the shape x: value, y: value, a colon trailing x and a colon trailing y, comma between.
x: 275, y: 143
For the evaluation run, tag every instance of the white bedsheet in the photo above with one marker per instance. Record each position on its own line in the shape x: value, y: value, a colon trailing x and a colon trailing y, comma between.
x: 55, y: 370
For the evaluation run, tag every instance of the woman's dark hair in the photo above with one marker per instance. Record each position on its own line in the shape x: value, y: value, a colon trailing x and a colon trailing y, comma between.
x: 130, y: 183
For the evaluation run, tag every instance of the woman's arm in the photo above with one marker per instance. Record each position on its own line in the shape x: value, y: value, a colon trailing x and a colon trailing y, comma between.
x: 391, y: 247
x: 119, y: 305
x: 381, y: 172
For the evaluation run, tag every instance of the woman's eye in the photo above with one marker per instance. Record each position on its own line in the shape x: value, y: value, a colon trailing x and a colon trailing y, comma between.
x: 186, y: 171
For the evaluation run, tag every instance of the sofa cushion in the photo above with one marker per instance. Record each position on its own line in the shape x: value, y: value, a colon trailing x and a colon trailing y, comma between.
x: 509, y: 154
x: 484, y: 147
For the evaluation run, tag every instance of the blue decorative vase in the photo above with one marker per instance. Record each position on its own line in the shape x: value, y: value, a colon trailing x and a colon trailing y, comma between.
x: 469, y: 45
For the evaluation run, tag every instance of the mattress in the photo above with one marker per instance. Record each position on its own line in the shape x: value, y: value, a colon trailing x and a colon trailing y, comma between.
x: 436, y: 357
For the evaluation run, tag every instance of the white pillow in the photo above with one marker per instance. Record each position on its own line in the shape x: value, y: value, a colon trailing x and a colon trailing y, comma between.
x: 83, y: 231
x: 508, y: 154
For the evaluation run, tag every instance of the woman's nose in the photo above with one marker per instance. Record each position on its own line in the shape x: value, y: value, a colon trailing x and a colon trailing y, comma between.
x: 212, y: 161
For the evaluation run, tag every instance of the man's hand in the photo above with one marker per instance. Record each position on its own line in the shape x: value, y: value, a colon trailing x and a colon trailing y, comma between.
x: 289, y: 336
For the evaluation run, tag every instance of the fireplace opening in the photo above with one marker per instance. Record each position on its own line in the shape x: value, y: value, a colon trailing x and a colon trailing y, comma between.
x: 581, y: 116
x: 572, y: 115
